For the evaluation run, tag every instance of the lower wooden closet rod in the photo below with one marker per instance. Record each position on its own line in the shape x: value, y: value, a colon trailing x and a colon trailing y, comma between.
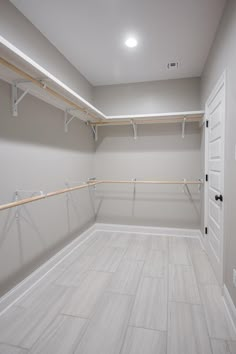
x: 89, y: 184
x: 150, y: 182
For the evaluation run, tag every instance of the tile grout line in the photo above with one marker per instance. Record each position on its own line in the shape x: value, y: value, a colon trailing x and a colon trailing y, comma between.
x: 202, y: 304
x: 132, y: 307
x: 15, y: 346
x: 148, y: 329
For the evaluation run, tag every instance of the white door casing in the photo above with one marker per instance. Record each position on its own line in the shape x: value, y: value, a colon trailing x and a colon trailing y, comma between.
x: 214, y: 168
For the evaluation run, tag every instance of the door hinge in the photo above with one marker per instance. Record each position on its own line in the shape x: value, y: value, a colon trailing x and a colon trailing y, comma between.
x: 206, y: 178
x: 206, y: 230
x: 207, y: 123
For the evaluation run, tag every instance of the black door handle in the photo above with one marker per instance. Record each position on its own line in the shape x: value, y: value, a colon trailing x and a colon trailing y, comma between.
x: 219, y: 197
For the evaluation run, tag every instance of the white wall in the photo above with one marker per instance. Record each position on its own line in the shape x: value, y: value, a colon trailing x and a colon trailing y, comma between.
x: 36, y: 154
x: 20, y: 32
x: 158, y: 153
x: 223, y: 57
x: 149, y: 97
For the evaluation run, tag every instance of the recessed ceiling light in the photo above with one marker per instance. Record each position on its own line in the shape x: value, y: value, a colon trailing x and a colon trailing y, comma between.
x: 131, y: 42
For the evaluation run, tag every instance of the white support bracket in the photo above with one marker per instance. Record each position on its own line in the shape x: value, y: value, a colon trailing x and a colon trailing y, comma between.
x: 18, y: 196
x: 90, y: 180
x: 186, y: 188
x: 134, y: 128
x: 200, y: 185
x: 95, y: 131
x: 68, y: 117
x: 69, y: 184
x: 201, y: 122
x: 15, y: 100
x: 134, y: 180
x: 183, y: 127
x: 184, y: 185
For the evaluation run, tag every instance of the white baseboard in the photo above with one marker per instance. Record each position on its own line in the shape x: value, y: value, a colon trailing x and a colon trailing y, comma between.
x: 10, y: 298
x: 202, y: 240
x: 159, y: 231
x: 230, y: 307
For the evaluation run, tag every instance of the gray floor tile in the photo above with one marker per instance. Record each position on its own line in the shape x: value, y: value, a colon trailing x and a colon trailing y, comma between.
x: 178, y: 251
x: 156, y: 264
x: 203, y: 269
x: 23, y: 327
x: 61, y: 337
x: 144, y: 341
x: 219, y: 325
x: 75, y: 273
x: 150, y: 307
x: 187, y: 330
x: 106, y: 330
x: 125, y: 280
x: 8, y: 349
x: 183, y: 285
x: 108, y: 260
x: 84, y: 298
x: 138, y: 249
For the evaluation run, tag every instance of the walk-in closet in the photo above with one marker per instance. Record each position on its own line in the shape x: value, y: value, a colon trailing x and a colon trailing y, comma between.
x: 117, y: 179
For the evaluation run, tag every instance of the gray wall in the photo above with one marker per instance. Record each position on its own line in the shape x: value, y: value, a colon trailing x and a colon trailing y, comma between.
x: 158, y: 153
x: 223, y: 57
x: 36, y: 154
x: 20, y: 32
x: 149, y: 97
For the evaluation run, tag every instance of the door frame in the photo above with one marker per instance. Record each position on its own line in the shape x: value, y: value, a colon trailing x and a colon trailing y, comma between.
x: 221, y: 84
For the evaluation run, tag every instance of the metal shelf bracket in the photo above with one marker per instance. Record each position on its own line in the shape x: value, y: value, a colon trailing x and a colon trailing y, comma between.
x: 134, y: 180
x: 68, y: 117
x: 134, y: 128
x: 183, y: 127
x: 90, y: 180
x: 95, y: 132
x: 19, y: 195
x: 15, y: 100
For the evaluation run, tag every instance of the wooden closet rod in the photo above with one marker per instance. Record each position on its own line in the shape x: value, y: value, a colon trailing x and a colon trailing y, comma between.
x: 149, y: 182
x: 45, y: 87
x: 44, y: 196
x: 89, y: 184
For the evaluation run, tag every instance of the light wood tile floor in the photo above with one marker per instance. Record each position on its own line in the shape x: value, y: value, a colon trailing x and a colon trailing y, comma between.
x: 123, y: 294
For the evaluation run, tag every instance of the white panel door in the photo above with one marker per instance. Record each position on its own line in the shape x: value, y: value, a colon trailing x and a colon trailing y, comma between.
x: 215, y: 115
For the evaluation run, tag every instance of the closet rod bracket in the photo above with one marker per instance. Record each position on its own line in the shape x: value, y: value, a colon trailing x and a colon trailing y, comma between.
x: 95, y: 131
x: 183, y: 127
x: 134, y: 128
x: 15, y: 99
x: 91, y: 180
x: 68, y: 117
x: 19, y: 195
x: 134, y: 182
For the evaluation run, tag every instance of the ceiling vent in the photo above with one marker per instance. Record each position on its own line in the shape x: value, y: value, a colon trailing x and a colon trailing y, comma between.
x: 173, y: 66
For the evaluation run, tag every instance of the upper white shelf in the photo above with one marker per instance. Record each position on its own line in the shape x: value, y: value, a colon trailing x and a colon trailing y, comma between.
x: 172, y: 117
x: 17, y: 67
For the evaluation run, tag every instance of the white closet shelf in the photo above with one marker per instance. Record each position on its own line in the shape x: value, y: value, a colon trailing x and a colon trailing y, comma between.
x: 174, y: 117
x: 23, y: 72
x: 18, y: 68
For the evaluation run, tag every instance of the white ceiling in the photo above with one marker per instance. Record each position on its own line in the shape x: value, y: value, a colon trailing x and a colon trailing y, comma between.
x: 91, y: 35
